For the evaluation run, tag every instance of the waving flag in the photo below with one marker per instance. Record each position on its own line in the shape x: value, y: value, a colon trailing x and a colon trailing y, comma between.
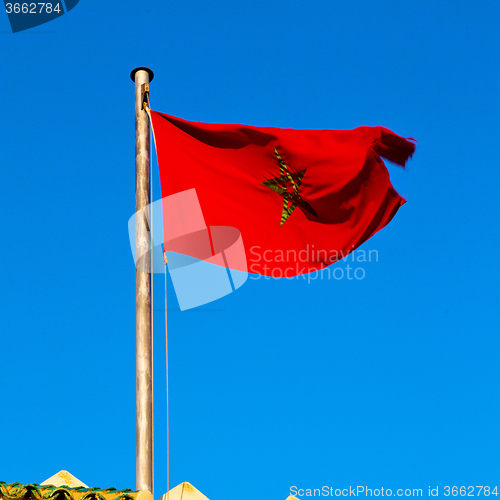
x: 296, y: 196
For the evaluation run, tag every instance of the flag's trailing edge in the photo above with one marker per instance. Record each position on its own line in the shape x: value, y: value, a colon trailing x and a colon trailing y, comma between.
x: 393, y: 147
x: 302, y: 199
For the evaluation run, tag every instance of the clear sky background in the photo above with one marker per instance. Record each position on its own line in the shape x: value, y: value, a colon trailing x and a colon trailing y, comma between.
x: 391, y: 381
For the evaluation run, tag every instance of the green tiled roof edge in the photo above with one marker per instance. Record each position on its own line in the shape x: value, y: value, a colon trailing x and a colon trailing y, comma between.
x: 18, y: 491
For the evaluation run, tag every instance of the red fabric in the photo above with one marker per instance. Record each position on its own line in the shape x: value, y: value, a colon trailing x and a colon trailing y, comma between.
x: 346, y: 184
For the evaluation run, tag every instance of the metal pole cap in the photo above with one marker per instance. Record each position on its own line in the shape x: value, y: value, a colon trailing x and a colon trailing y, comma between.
x: 142, y: 68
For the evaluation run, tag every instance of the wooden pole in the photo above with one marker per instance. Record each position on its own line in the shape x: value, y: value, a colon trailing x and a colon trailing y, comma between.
x: 144, y: 369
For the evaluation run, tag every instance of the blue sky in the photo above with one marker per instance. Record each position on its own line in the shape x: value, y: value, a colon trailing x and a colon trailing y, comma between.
x: 390, y: 381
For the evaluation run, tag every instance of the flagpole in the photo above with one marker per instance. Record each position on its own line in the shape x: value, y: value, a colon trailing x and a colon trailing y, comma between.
x: 144, y: 369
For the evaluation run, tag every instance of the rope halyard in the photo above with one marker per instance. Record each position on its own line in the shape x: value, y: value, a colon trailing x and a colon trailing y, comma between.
x: 166, y: 357
x: 152, y: 288
x: 147, y: 108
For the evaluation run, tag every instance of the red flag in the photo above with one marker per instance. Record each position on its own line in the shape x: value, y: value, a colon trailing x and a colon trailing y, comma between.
x: 302, y: 199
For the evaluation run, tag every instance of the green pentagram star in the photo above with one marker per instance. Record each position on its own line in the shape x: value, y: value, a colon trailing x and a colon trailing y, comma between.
x: 287, y: 185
